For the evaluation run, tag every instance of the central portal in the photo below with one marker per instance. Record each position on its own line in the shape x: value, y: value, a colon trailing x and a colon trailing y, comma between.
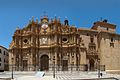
x: 92, y: 66
x: 44, y: 63
x: 65, y: 65
x: 25, y: 65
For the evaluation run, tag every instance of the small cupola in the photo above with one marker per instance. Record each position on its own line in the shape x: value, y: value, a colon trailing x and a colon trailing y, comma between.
x: 105, y: 20
x: 66, y: 23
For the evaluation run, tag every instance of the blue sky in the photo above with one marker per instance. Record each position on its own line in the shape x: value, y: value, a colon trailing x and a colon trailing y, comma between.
x: 81, y: 13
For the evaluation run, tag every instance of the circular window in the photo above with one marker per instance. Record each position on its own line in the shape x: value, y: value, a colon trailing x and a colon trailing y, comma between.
x: 64, y: 39
x: 25, y: 41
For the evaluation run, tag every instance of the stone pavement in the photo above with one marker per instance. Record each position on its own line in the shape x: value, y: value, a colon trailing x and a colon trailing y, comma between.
x: 81, y: 75
x: 61, y: 75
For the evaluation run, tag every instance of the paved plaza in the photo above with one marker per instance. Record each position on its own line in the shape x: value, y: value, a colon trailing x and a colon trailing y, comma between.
x: 61, y: 75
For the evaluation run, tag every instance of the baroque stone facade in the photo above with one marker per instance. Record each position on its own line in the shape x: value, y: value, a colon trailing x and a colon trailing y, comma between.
x: 49, y: 44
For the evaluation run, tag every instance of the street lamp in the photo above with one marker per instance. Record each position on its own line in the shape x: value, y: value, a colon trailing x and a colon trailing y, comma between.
x: 12, y: 67
x: 98, y: 68
x: 54, y: 68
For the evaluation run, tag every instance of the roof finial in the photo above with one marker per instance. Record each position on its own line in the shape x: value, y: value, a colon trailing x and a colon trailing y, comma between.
x: 66, y: 21
x: 55, y: 19
x: 29, y: 21
x: 36, y: 20
x: 45, y: 14
x: 17, y: 28
x: 59, y: 19
x: 100, y: 18
x: 55, y: 16
x: 32, y: 19
x: 51, y: 20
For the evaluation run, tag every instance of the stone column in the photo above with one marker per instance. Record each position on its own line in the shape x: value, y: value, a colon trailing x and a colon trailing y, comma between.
x: 28, y: 55
x: 70, y: 61
x: 74, y: 65
x: 88, y: 65
x: 31, y: 40
x: 14, y: 62
x: 55, y: 60
x: 36, y: 61
x: 19, y: 62
x: 55, y: 38
x: 60, y: 68
x: 50, y: 62
x: 31, y: 62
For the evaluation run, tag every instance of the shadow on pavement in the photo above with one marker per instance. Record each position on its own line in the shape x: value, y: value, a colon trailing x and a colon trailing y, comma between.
x: 110, y: 78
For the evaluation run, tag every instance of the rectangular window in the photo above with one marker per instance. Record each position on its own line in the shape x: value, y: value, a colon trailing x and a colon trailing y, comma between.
x: 0, y: 51
x: 107, y: 28
x: 0, y: 60
x: 111, y: 39
x: 87, y: 34
x: 0, y: 64
x: 4, y: 60
x: 4, y: 52
x: 91, y: 39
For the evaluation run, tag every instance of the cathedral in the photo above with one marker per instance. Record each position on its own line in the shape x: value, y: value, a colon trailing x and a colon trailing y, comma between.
x: 49, y: 44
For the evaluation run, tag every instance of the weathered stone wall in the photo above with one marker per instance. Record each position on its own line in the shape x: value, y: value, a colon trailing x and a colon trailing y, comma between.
x: 110, y: 52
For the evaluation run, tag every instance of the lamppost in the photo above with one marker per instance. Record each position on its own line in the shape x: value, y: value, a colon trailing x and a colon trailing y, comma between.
x: 98, y: 68
x: 54, y: 68
x: 12, y: 68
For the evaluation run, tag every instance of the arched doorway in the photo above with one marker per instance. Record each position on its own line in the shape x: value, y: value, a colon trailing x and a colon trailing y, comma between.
x: 64, y: 65
x: 44, y: 62
x: 92, y: 65
x: 25, y: 65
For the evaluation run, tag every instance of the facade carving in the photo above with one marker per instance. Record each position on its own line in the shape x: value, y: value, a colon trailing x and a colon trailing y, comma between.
x: 50, y: 44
